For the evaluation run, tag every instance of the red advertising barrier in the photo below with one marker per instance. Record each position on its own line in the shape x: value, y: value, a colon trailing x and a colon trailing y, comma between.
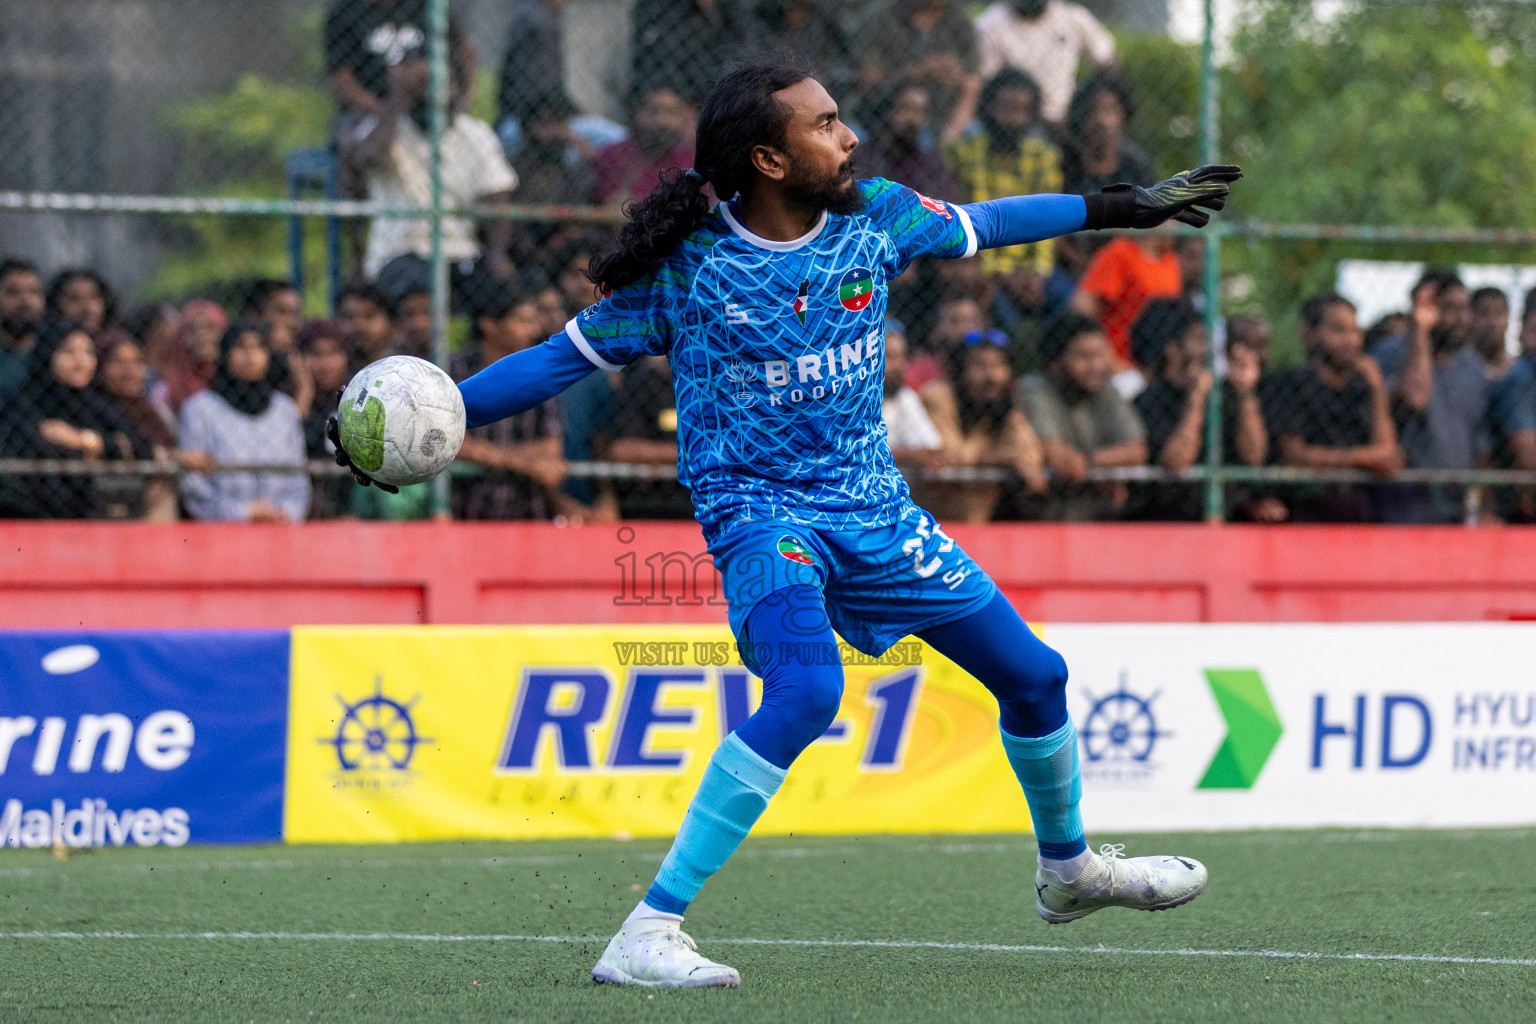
x: 239, y: 575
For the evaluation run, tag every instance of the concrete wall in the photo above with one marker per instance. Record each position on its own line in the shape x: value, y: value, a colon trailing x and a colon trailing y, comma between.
x: 237, y: 575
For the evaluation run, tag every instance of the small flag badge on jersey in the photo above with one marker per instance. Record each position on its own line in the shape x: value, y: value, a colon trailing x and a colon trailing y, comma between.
x: 792, y: 549
x: 855, y: 289
x: 934, y: 205
x: 802, y: 300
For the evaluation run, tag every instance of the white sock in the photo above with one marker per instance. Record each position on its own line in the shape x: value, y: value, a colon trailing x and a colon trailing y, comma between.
x: 646, y: 912
x: 1068, y: 870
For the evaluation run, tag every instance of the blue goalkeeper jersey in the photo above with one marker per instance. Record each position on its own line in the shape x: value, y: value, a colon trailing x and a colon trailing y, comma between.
x: 778, y: 357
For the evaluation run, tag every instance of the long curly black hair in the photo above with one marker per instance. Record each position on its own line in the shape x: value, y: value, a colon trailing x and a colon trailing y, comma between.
x: 738, y: 114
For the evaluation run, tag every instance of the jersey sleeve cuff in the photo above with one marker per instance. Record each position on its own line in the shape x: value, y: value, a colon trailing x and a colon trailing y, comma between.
x: 586, y: 349
x: 971, y: 242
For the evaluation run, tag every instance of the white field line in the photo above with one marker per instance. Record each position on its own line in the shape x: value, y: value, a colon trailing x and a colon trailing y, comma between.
x: 979, y: 947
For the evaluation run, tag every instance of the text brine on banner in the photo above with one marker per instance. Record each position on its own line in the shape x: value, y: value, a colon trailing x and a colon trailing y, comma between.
x: 605, y: 730
x: 142, y: 738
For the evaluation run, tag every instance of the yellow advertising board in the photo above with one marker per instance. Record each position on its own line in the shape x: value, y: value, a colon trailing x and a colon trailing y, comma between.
x: 440, y: 732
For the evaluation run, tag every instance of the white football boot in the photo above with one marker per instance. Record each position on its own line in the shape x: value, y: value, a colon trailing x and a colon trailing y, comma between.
x: 658, y: 954
x: 1109, y: 880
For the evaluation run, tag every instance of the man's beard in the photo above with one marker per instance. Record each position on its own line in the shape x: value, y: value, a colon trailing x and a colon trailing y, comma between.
x: 653, y: 142
x: 835, y: 193
x: 1445, y: 339
x: 1341, y: 362
x: 421, y: 114
x: 1001, y: 139
x: 544, y: 154
x: 13, y: 327
x: 988, y: 412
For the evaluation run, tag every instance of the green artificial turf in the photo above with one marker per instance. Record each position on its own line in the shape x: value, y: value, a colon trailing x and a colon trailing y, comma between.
x: 1442, y: 894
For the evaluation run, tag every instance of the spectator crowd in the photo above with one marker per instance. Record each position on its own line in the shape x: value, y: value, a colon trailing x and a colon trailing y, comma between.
x: 1048, y: 361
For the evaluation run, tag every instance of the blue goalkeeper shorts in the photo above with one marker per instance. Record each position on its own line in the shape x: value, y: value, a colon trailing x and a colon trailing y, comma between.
x: 880, y: 584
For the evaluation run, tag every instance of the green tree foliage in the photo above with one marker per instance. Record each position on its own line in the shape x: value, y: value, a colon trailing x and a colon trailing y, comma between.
x: 1384, y: 113
x: 1391, y: 113
x: 244, y: 135
x: 1166, y: 78
x: 236, y: 144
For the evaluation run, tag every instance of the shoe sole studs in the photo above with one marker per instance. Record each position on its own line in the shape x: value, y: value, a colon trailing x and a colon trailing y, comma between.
x: 613, y: 976
x: 1068, y: 919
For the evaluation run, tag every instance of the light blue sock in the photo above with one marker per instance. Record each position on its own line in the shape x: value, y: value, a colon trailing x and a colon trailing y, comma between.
x: 1047, y: 769
x: 732, y: 796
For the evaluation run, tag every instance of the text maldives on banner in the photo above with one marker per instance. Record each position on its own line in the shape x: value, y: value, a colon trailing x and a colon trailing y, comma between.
x: 435, y: 732
x: 1266, y: 726
x: 143, y: 738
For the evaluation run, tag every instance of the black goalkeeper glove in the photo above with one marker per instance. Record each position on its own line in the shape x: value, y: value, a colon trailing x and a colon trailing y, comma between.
x: 333, y: 434
x: 1131, y: 206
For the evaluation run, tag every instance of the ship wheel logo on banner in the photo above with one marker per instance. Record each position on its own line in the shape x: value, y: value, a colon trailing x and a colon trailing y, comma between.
x: 377, y: 733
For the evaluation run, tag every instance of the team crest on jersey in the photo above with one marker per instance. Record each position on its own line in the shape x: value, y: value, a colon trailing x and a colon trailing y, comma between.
x: 934, y: 205
x: 855, y: 289
x: 791, y: 548
x: 802, y: 300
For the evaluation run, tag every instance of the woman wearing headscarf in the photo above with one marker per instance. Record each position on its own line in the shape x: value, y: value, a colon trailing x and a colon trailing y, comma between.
x: 243, y: 419
x: 83, y: 296
x: 322, y: 346
x: 121, y: 374
x: 121, y: 378
x: 193, y: 355
x: 154, y: 327
x: 58, y: 415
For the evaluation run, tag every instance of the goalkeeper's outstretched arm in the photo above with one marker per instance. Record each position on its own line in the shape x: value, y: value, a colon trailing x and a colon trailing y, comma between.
x: 523, y: 380
x: 510, y: 385
x: 1016, y: 220
x: 526, y: 379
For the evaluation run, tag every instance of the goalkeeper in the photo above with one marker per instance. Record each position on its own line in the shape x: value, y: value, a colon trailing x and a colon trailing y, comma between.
x: 770, y: 308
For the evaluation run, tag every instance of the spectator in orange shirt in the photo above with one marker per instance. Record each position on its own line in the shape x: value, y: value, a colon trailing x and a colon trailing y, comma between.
x: 1120, y: 279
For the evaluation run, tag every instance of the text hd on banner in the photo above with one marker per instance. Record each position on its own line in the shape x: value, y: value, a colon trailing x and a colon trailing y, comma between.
x: 1277, y: 726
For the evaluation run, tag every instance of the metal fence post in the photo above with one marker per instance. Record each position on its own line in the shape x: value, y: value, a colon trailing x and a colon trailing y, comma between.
x: 1210, y: 128
x: 437, y: 124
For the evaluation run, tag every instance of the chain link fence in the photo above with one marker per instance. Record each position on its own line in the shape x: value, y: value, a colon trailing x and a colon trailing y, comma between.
x: 214, y: 213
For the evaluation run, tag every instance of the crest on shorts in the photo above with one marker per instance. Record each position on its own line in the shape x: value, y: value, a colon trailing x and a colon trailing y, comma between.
x: 792, y: 549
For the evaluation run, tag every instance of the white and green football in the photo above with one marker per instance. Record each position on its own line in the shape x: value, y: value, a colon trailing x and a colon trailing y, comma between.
x: 402, y: 420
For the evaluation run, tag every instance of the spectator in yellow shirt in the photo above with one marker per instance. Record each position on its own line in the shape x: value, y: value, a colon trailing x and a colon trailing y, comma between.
x: 1009, y: 156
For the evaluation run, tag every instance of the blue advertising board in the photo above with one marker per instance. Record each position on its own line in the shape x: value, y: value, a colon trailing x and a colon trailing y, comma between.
x: 142, y: 738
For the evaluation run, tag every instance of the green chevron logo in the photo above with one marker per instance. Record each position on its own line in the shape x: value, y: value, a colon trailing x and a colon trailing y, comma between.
x: 1253, y: 728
